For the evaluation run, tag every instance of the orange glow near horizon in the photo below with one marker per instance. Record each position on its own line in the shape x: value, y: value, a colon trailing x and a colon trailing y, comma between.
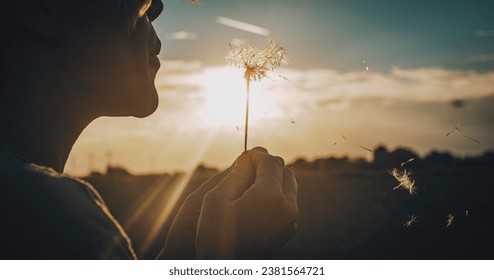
x: 299, y: 118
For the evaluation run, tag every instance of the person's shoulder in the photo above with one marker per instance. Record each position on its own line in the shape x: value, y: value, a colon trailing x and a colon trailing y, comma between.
x: 19, y: 176
x: 31, y: 183
x: 59, y: 215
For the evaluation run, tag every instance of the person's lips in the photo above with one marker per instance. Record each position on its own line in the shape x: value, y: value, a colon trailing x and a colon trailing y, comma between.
x: 157, y: 47
x: 153, y: 58
x: 154, y: 61
x: 156, y: 51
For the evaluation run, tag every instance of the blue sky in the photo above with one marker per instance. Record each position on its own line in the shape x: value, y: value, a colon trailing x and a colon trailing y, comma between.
x: 338, y: 34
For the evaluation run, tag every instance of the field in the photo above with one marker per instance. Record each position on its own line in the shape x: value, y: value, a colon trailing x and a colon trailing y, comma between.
x: 348, y: 207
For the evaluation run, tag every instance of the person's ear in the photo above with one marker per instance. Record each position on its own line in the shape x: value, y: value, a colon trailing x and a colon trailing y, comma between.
x: 38, y: 16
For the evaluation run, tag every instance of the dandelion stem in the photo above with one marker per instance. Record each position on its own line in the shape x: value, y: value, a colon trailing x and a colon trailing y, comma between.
x: 246, y: 114
x: 256, y: 62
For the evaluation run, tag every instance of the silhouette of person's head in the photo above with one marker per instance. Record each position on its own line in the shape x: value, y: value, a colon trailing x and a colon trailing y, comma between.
x: 65, y: 63
x: 98, y: 56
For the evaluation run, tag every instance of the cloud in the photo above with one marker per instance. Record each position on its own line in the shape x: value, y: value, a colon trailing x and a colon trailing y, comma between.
x: 480, y: 58
x: 182, y: 35
x: 484, y: 33
x: 421, y: 84
x: 243, y: 26
x: 404, y: 106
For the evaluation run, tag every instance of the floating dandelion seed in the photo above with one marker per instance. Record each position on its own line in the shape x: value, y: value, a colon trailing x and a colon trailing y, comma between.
x: 256, y: 62
x: 367, y: 149
x: 271, y: 109
x: 292, y: 120
x: 411, y: 220
x: 450, y: 220
x: 404, y: 180
x: 405, y: 162
x: 466, y: 212
x: 468, y: 137
x: 365, y: 64
x: 457, y: 128
x: 342, y: 138
x: 284, y: 78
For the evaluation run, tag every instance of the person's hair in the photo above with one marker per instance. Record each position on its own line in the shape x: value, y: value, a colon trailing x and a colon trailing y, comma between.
x: 10, y: 25
x: 133, y: 9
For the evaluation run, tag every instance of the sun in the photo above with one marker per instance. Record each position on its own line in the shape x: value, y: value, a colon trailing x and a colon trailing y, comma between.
x: 225, y: 93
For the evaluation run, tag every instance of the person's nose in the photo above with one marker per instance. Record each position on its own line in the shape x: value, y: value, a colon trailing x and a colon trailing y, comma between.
x: 156, y: 42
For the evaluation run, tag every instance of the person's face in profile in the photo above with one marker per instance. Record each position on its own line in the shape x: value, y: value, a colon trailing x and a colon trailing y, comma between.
x: 117, y: 56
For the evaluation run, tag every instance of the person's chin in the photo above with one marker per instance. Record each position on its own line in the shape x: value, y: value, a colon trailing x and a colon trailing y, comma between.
x: 139, y: 105
x: 146, y: 106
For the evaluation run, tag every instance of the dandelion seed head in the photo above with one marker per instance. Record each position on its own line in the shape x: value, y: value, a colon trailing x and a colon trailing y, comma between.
x: 257, y: 62
x: 404, y: 180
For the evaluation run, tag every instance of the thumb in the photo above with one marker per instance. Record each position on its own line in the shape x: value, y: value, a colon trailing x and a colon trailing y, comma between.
x: 193, y: 203
x: 210, y: 184
x: 239, y: 179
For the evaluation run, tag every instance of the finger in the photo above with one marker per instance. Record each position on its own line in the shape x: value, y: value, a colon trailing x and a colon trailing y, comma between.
x: 260, y: 149
x: 241, y: 177
x: 193, y: 203
x: 290, y: 186
x: 258, y: 153
x: 285, y: 235
x: 281, y: 160
x: 269, y: 171
x: 211, y: 183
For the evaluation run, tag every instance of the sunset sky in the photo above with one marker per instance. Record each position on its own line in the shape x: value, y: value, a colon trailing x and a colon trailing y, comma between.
x: 431, y: 65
